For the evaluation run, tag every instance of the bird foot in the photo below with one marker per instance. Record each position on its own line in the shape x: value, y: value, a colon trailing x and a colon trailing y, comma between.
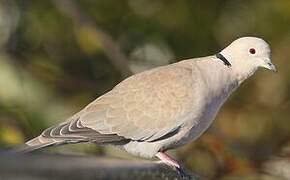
x: 172, y: 163
x: 183, y: 172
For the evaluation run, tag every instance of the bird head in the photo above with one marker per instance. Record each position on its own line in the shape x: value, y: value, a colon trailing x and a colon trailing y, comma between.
x: 246, y: 54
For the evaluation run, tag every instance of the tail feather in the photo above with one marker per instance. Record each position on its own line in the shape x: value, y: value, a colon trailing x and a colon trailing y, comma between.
x: 70, y: 132
x: 34, y: 144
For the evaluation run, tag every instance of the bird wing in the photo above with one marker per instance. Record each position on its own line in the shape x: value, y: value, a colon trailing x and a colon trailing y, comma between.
x: 144, y: 107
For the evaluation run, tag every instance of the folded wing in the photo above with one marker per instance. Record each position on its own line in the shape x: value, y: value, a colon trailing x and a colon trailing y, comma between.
x: 144, y: 107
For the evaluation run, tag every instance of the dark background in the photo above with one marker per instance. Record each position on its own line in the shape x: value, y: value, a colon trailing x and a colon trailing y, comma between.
x: 57, y: 56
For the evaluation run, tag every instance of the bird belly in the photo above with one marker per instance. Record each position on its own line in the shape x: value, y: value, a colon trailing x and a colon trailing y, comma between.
x: 194, y: 130
x: 210, y: 110
x: 194, y: 126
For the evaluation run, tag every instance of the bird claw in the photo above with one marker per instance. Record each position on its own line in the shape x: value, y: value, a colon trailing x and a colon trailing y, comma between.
x: 174, y: 164
x: 183, y: 173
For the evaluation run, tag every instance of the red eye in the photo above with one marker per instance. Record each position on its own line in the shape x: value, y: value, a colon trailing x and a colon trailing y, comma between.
x: 252, y: 51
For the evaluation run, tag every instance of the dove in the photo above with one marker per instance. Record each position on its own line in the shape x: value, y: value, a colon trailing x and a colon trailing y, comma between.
x: 162, y: 108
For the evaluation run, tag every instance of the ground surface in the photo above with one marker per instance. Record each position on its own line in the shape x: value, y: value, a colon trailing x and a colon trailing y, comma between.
x: 60, y: 167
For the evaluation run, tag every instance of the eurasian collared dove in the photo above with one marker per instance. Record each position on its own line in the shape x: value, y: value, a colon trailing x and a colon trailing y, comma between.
x: 162, y: 108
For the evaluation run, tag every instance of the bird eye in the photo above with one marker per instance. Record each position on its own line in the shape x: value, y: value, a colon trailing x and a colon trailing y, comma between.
x: 252, y: 51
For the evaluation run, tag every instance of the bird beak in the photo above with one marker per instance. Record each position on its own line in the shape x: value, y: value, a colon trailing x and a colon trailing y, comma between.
x: 269, y: 65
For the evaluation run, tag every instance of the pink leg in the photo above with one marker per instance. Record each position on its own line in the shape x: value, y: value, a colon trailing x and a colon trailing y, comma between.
x: 167, y: 160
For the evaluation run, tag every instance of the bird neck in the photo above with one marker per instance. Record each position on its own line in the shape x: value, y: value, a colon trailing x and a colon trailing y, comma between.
x: 218, y: 78
x: 243, y: 72
x: 239, y: 69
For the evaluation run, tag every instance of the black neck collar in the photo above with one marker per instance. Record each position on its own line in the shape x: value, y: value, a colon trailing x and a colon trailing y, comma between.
x: 223, y: 59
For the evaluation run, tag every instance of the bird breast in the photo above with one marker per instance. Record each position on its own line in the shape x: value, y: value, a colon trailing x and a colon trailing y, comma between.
x: 212, y: 97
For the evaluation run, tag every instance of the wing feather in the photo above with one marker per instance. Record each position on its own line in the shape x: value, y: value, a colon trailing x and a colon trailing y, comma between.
x: 148, y: 106
x: 72, y: 132
x: 144, y: 107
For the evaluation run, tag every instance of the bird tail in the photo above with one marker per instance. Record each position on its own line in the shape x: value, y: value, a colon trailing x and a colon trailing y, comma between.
x: 34, y: 144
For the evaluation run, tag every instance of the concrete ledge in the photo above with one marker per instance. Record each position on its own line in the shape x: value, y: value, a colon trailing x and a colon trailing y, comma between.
x: 67, y: 167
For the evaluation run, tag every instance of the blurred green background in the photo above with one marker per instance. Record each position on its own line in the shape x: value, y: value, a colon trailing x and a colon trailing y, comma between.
x: 57, y: 56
